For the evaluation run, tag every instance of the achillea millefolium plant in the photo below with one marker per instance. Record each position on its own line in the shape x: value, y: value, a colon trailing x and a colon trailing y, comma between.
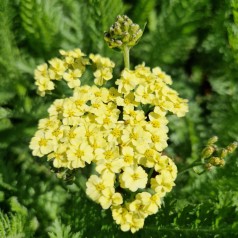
x: 194, y: 41
x: 120, y: 132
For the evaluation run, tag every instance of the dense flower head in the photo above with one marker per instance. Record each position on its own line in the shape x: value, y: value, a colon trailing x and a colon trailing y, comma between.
x: 122, y: 131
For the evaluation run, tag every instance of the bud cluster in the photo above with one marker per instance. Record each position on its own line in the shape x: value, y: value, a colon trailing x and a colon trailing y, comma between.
x: 212, y: 156
x: 123, y: 33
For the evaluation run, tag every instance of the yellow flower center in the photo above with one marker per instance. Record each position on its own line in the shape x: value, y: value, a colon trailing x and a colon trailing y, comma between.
x: 106, y: 120
x: 88, y: 134
x: 128, y: 158
x: 71, y: 113
x: 155, y: 124
x: 42, y: 142
x: 108, y: 166
x: 49, y: 123
x: 145, y: 95
x: 108, y: 154
x: 135, y: 176
x: 72, y: 135
x: 134, y: 136
x: 58, y: 109
x: 98, y: 94
x: 56, y: 133
x: 96, y: 105
x: 79, y: 153
x: 116, y: 132
x: 100, y: 186
x: 79, y: 102
x: 127, y: 101
x: 149, y: 154
x: 155, y: 138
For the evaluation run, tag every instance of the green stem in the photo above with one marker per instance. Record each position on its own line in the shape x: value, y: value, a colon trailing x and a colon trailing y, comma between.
x: 82, y: 182
x: 150, y: 173
x: 126, y: 54
x: 194, y: 164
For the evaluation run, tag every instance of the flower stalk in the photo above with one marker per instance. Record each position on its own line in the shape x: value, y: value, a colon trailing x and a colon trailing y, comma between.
x: 126, y: 54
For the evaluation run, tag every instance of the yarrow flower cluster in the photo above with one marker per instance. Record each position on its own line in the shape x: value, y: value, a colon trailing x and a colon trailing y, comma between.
x: 120, y: 131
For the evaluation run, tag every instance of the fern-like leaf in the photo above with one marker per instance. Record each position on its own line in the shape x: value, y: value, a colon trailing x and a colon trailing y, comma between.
x: 174, y: 36
x: 141, y: 11
x: 59, y: 230
x: 15, y: 225
x: 41, y: 21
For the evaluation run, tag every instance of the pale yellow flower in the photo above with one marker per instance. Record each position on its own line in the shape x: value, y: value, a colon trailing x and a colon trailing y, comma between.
x: 161, y: 75
x: 127, y: 82
x: 40, y: 144
x: 144, y: 95
x: 162, y: 183
x: 59, y: 156
x: 180, y: 107
x: 41, y: 71
x: 71, y: 113
x: 134, y: 117
x: 56, y: 108
x: 159, y: 140
x: 96, y: 185
x: 78, y: 155
x: 109, y: 166
x: 166, y: 164
x: 122, y: 217
x: 128, y: 155
x: 57, y: 68
x: 155, y: 202
x: 101, y: 94
x: 43, y: 85
x: 135, y: 135
x: 133, y: 178
x: 56, y: 134
x: 72, y: 136
x: 114, y: 133
x: 110, y: 198
x: 50, y: 123
x: 149, y: 158
x: 139, y: 205
x: 72, y: 77
x: 104, y: 69
x: 127, y: 101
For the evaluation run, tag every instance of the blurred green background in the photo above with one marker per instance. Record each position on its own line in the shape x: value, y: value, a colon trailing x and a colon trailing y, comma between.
x: 196, y: 42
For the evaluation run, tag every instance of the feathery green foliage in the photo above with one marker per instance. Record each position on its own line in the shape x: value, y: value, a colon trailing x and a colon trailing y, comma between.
x: 141, y: 11
x: 16, y: 225
x: 59, y: 230
x: 41, y: 21
x: 176, y: 20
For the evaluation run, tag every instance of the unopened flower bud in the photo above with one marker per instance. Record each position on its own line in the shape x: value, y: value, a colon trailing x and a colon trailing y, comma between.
x: 125, y: 26
x: 117, y: 30
x: 126, y: 37
x: 120, y: 19
x: 208, y: 166
x: 232, y: 147
x: 207, y: 152
x: 224, y: 153
x: 135, y: 28
x: 118, y: 42
x: 124, y: 30
x: 222, y: 162
x: 212, y: 140
x: 215, y: 161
